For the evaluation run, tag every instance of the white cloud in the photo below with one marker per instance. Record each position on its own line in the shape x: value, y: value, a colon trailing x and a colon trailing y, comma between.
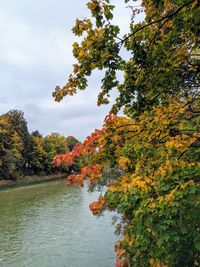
x: 36, y: 55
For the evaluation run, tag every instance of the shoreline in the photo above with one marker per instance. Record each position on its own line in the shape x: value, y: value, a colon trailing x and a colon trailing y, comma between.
x: 30, y: 180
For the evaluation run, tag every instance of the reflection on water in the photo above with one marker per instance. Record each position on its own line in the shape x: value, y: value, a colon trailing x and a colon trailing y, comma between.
x: 49, y: 225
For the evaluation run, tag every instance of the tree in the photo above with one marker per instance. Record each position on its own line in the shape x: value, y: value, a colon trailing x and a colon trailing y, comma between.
x: 71, y: 142
x: 157, y: 188
x: 160, y: 48
x: 54, y: 144
x: 155, y: 149
x: 22, y: 153
x: 19, y: 125
x: 38, y: 155
x: 11, y: 149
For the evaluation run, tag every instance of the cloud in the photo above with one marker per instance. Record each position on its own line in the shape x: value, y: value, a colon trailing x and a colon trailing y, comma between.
x: 36, y: 55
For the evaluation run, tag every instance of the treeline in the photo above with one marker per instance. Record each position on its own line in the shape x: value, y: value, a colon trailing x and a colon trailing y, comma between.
x: 23, y: 153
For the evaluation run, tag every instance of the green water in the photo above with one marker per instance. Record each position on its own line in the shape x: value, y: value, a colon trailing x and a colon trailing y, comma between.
x: 49, y: 225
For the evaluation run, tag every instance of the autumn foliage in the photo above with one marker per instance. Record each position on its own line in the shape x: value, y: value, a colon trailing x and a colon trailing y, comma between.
x: 147, y: 161
x: 158, y: 155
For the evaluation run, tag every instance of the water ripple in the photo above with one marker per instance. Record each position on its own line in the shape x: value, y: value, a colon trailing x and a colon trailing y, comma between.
x: 50, y: 225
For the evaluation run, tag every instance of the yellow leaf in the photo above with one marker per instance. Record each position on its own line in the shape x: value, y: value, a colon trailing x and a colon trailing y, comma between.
x: 81, y: 53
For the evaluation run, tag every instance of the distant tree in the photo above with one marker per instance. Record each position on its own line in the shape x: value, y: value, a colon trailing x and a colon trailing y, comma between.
x: 54, y: 144
x: 22, y: 153
x: 11, y: 150
x: 36, y: 133
x: 4, y: 146
x: 18, y: 124
x: 37, y: 155
x: 71, y: 142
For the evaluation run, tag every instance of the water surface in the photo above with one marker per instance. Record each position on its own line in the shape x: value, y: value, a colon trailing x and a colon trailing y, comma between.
x: 49, y: 225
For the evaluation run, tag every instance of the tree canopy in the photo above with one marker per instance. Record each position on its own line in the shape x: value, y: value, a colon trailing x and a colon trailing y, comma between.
x: 149, y: 159
x: 162, y: 49
x: 23, y: 153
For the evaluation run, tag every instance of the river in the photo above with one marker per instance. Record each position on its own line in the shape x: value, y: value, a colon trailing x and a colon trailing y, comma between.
x: 49, y: 224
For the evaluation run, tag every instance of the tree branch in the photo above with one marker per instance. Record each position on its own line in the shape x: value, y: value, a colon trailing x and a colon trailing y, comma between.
x: 159, y: 20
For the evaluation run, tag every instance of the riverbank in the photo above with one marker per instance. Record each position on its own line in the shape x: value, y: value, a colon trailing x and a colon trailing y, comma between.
x: 30, y: 180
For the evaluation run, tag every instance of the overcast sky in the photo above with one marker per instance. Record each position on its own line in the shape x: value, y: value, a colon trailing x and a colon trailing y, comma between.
x: 35, y: 56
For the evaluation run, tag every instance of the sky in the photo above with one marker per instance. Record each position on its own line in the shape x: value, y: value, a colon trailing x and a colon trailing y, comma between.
x: 36, y: 56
